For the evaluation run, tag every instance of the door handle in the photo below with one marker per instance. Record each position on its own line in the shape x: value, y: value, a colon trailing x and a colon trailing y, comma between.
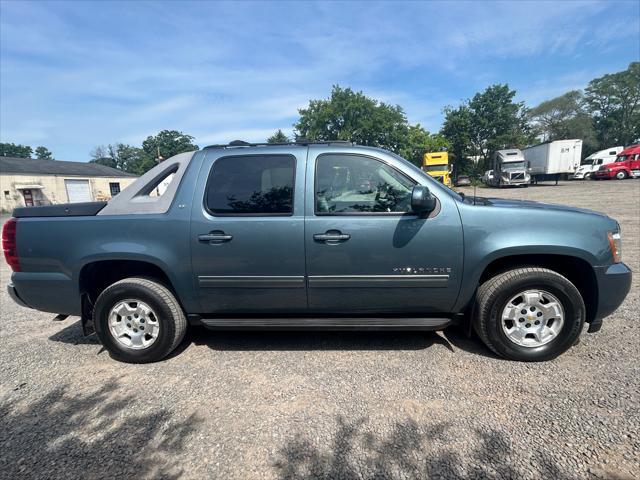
x: 332, y: 236
x: 215, y: 237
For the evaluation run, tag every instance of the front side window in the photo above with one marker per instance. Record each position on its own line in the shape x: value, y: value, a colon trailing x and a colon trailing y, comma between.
x: 358, y: 184
x: 251, y: 185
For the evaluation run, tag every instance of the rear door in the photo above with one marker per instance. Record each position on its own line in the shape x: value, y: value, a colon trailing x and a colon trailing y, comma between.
x: 367, y: 253
x: 247, y: 232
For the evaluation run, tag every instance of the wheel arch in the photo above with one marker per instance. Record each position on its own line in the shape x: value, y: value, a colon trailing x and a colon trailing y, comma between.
x: 97, y: 275
x: 576, y: 269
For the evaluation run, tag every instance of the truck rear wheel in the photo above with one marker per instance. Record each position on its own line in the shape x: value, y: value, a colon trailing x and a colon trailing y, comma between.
x: 529, y: 314
x: 139, y: 320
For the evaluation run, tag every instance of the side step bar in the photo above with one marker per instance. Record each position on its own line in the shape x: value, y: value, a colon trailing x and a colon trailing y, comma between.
x: 327, y: 323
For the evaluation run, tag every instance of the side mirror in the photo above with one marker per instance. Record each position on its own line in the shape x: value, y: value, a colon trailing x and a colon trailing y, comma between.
x: 422, y: 202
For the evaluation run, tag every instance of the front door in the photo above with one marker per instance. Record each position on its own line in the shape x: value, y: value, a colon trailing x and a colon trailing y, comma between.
x: 28, y: 197
x: 248, y: 233
x: 366, y: 252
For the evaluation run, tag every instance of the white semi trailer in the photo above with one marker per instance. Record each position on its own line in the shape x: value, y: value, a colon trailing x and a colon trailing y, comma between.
x: 553, y: 160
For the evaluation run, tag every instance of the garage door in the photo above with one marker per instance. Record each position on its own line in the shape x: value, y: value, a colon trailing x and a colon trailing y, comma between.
x: 78, y: 190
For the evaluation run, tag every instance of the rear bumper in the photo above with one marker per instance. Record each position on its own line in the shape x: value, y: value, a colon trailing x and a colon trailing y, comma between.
x: 47, y: 292
x: 614, y: 283
x: 13, y: 293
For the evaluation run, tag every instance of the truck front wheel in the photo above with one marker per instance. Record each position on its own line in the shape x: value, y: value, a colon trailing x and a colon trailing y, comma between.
x: 529, y: 314
x: 139, y: 320
x: 621, y: 175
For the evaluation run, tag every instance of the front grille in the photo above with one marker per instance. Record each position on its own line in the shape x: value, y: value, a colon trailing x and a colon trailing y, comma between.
x: 517, y: 176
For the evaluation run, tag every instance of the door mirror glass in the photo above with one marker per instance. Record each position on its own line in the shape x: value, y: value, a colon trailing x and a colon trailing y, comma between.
x: 422, y: 201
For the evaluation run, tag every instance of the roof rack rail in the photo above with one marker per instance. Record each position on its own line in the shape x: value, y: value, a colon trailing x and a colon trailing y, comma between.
x: 299, y: 142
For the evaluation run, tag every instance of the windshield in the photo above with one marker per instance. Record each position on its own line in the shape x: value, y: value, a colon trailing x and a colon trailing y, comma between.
x: 622, y: 158
x: 587, y: 161
x: 513, y: 166
x: 435, y: 168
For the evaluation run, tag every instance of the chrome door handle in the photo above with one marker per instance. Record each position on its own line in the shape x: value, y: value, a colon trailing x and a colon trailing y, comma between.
x: 331, y: 236
x: 215, y: 237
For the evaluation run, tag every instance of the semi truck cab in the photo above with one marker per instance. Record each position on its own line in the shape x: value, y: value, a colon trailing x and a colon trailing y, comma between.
x: 627, y: 165
x: 593, y: 162
x: 436, y: 165
x: 509, y: 168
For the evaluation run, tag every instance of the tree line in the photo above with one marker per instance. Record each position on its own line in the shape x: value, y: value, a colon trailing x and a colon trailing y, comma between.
x: 24, y: 151
x: 605, y: 114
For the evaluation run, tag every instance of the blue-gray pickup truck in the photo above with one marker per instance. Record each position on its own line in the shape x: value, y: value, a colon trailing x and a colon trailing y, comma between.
x: 314, y: 236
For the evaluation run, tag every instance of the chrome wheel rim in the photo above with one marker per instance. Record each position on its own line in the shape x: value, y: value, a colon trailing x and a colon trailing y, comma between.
x: 532, y: 318
x: 133, y: 324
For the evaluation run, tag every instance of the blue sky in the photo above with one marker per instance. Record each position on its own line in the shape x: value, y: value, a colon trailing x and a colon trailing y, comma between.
x: 75, y: 75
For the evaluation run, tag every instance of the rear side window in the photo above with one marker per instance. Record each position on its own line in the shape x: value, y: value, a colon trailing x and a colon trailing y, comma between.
x: 251, y: 185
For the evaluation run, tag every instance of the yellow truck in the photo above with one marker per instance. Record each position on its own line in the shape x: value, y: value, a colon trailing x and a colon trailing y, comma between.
x: 436, y: 164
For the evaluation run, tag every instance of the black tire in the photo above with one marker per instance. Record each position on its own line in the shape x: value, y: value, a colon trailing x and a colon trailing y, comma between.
x: 492, y: 298
x: 621, y: 175
x: 171, y: 319
x: 587, y: 176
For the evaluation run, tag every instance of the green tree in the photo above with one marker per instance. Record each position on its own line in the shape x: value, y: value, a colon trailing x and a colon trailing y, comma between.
x: 614, y: 102
x: 349, y: 115
x: 278, y: 137
x: 106, y: 161
x: 564, y: 117
x: 13, y: 150
x: 490, y: 121
x: 43, y: 153
x: 419, y: 141
x: 122, y: 156
x: 165, y: 144
x: 168, y: 143
x: 457, y: 130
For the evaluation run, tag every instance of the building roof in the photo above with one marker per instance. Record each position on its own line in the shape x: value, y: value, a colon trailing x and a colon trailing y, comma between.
x: 34, y: 166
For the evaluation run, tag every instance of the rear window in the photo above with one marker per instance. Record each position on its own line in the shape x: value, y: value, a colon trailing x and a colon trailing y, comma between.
x: 251, y: 185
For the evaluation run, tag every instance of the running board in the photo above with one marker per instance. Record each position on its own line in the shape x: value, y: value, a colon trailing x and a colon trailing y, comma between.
x: 327, y: 323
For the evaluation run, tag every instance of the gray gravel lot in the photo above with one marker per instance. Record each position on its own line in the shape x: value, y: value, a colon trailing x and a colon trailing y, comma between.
x: 328, y: 405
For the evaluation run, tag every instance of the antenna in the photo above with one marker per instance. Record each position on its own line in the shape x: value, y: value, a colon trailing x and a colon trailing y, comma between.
x: 475, y: 185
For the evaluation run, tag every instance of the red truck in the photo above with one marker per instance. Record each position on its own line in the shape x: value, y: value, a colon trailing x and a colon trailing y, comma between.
x: 627, y: 165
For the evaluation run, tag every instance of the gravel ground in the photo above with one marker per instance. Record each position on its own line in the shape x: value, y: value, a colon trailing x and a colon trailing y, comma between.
x: 328, y: 405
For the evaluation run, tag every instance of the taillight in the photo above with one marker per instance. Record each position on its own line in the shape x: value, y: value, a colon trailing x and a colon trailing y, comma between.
x: 9, y: 244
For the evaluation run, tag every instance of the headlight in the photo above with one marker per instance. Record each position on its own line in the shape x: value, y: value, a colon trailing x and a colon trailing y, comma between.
x: 615, y: 242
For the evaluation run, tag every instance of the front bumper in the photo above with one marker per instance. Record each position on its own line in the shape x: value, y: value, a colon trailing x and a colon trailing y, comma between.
x: 604, y: 174
x: 614, y: 283
x: 15, y: 297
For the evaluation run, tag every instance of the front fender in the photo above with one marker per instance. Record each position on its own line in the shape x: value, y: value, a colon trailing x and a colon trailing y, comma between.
x: 493, y: 233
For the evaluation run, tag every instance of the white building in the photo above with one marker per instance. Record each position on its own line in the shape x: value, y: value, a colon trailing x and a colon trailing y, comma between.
x: 30, y: 182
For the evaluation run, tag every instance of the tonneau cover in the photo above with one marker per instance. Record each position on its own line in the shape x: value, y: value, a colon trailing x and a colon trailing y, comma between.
x: 61, y: 210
